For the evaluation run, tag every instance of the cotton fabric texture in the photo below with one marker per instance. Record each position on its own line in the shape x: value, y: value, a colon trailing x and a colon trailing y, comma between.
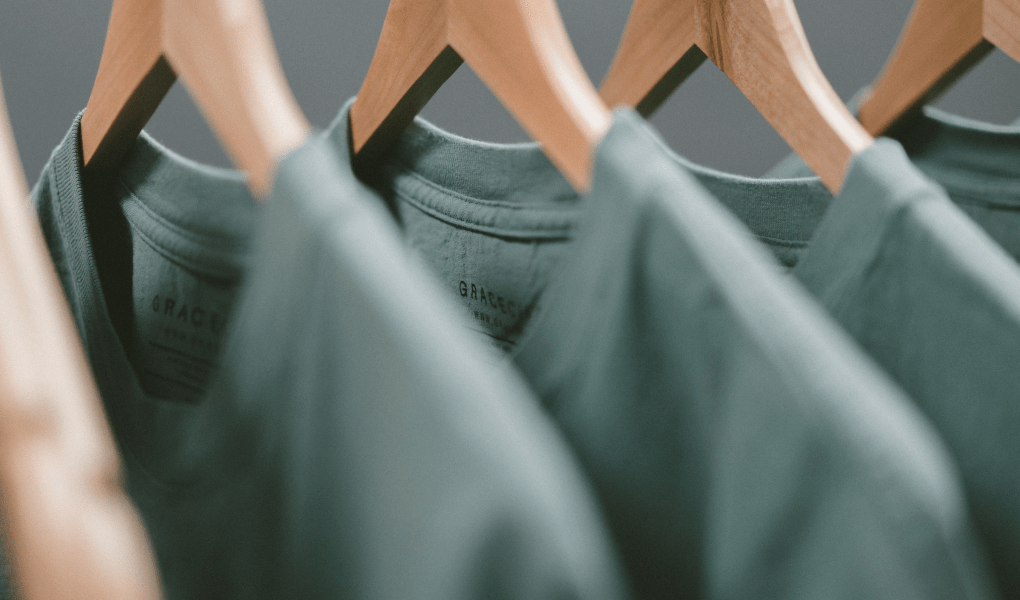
x: 924, y: 284
x: 740, y: 444
x: 337, y: 434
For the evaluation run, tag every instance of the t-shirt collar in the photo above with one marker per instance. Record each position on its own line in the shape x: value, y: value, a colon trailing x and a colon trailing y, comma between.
x: 172, y: 442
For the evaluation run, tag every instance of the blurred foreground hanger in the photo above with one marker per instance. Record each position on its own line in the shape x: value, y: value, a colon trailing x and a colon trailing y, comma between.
x: 223, y: 52
x: 519, y: 48
x: 71, y: 532
x: 941, y: 41
x: 760, y: 45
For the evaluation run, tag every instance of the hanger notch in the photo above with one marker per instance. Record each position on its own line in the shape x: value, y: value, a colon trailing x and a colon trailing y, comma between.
x: 519, y: 48
x: 760, y: 45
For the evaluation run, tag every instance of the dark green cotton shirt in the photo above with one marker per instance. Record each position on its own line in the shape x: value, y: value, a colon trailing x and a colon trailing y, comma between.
x: 925, y: 290
x: 300, y: 412
x: 740, y: 444
x: 978, y: 166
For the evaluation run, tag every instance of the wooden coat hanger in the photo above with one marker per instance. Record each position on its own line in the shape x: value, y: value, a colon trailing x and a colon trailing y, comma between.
x: 223, y: 52
x: 761, y: 46
x: 519, y: 48
x: 941, y: 41
x: 70, y: 530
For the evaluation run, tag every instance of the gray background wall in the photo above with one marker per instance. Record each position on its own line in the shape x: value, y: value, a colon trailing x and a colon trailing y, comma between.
x: 50, y: 49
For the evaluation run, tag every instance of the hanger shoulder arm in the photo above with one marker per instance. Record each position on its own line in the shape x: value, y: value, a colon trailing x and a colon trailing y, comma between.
x: 224, y: 54
x: 411, y: 61
x: 520, y: 49
x: 132, y: 80
x: 767, y: 56
x: 71, y: 528
x: 654, y: 56
x: 760, y: 45
x: 1002, y: 26
x: 942, y: 39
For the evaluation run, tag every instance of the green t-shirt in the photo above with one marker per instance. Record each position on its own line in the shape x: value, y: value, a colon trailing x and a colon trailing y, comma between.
x: 926, y: 292
x: 978, y: 165
x: 741, y: 446
x: 300, y: 412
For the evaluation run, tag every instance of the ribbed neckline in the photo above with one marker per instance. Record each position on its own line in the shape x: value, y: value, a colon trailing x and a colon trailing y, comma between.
x: 979, y: 161
x: 777, y: 210
x: 507, y: 190
x: 513, y: 191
